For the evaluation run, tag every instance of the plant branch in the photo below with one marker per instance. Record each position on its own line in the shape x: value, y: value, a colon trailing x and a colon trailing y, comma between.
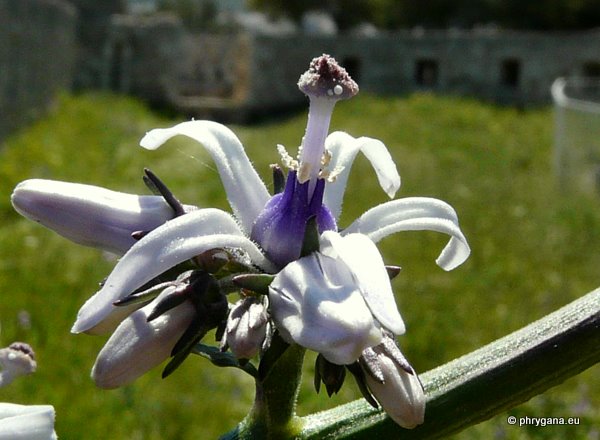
x: 481, y: 384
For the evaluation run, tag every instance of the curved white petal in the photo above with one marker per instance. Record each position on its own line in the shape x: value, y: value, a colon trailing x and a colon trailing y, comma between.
x: 344, y: 149
x: 170, y: 244
x: 26, y: 422
x: 90, y: 215
x: 416, y: 214
x: 245, y: 190
x: 315, y: 303
x: 363, y: 259
x: 137, y: 345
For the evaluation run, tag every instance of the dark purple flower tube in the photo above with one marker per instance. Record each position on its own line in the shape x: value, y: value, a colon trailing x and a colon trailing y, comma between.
x: 279, y: 228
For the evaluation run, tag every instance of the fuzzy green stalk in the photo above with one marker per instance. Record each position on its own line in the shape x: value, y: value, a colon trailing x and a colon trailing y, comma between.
x: 273, y: 415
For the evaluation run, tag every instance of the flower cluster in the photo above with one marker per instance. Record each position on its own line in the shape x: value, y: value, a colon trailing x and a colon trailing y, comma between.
x: 300, y: 277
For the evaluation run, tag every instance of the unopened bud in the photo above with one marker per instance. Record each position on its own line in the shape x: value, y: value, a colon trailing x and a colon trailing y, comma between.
x: 396, y: 386
x: 247, y: 327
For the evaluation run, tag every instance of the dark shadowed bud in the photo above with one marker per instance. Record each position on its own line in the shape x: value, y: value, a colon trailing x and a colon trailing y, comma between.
x: 332, y: 375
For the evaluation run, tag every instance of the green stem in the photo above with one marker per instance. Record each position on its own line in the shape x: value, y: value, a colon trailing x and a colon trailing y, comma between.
x: 273, y: 415
x: 488, y: 381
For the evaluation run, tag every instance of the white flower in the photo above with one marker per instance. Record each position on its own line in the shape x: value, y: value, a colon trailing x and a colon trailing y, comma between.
x: 265, y: 231
x: 26, y: 422
x: 330, y: 303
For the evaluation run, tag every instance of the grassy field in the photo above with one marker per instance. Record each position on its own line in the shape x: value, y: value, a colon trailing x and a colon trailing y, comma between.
x: 534, y: 249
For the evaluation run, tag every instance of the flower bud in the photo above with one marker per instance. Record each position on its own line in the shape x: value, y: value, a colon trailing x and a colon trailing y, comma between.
x: 394, y: 384
x: 90, y: 215
x: 247, y: 327
x: 137, y: 345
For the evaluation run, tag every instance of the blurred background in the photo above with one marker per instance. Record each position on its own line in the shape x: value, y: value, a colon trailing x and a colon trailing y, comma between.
x: 492, y: 106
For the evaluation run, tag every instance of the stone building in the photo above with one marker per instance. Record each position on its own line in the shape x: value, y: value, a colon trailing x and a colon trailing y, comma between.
x: 243, y: 74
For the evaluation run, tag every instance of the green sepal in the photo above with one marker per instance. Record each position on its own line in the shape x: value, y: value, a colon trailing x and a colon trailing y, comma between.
x: 310, y: 242
x: 223, y: 359
x: 269, y: 358
x: 174, y: 363
x: 256, y: 282
x: 393, y: 271
x: 142, y: 297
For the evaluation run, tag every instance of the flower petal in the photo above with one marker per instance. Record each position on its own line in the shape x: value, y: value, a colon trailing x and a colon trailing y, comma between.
x: 416, y: 214
x: 315, y: 303
x: 90, y: 215
x: 245, y: 190
x: 344, y: 149
x: 363, y: 259
x: 137, y: 345
x: 26, y: 422
x: 170, y: 244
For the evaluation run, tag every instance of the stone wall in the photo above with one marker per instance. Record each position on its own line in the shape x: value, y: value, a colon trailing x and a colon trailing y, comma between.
x: 143, y: 55
x: 37, y: 52
x: 242, y: 75
x: 503, y: 67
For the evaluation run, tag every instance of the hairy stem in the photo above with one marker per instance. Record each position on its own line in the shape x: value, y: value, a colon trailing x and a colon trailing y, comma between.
x: 274, y: 413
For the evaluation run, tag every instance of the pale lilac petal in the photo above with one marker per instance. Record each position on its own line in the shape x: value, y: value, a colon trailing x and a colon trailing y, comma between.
x: 361, y: 255
x: 90, y: 215
x: 113, y: 319
x: 315, y: 303
x: 172, y: 243
x: 344, y: 149
x: 26, y: 422
x: 416, y: 214
x: 247, y: 326
x: 400, y: 395
x: 245, y: 190
x: 137, y: 345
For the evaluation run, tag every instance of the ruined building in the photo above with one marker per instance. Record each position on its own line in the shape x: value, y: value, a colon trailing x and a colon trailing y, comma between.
x: 241, y: 74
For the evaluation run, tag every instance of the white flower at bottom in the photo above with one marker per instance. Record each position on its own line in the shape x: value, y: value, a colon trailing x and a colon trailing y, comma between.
x: 316, y: 303
x: 137, y: 345
x: 26, y: 422
x: 394, y: 383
